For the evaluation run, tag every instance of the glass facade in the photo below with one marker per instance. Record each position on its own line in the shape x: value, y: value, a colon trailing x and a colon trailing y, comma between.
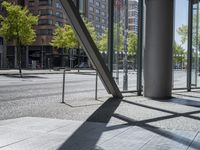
x: 125, y: 44
x: 180, y: 44
x: 195, y: 79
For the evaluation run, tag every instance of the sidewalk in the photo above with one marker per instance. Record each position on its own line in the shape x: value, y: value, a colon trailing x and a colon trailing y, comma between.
x: 134, y: 123
x: 31, y: 133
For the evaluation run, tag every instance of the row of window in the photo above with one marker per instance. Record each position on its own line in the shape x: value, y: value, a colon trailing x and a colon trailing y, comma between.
x: 97, y: 11
x: 99, y: 27
x: 98, y: 4
x: 133, y: 13
x: 97, y: 18
x: 133, y: 28
x: 133, y: 20
x: 49, y: 22
x: 44, y: 12
x: 45, y: 32
x: 45, y: 3
x: 133, y: 6
x: 93, y: 1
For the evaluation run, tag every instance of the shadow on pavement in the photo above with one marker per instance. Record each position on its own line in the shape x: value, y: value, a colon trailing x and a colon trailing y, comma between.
x: 187, y: 102
x: 25, y: 76
x: 164, y: 133
x: 102, y: 114
x: 88, y: 141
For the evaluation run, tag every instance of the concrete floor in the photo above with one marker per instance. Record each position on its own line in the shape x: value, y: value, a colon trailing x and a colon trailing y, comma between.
x: 132, y: 123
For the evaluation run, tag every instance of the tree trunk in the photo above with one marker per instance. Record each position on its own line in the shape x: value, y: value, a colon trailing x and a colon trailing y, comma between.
x: 19, y: 59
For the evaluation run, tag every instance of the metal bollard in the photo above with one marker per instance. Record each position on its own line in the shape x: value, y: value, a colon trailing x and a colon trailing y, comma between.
x: 96, y: 85
x: 63, y: 89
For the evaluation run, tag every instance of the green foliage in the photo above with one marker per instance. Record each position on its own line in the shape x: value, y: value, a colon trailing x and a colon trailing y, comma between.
x: 118, y: 41
x: 91, y: 30
x: 64, y: 37
x: 118, y: 38
x: 132, y: 43
x: 183, y: 32
x: 179, y: 53
x: 103, y: 42
x: 17, y: 26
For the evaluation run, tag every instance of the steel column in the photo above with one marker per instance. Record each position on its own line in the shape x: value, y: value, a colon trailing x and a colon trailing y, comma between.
x: 110, y: 34
x: 189, y: 55
x: 140, y: 46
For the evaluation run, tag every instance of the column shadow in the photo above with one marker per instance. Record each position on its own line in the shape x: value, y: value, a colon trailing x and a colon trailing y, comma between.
x: 82, y: 138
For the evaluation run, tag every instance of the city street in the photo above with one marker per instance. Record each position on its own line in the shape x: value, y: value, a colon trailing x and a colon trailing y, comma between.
x: 31, y: 109
x: 40, y: 95
x: 34, y: 94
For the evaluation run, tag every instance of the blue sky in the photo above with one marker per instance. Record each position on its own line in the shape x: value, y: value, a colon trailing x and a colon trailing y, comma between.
x: 181, y: 16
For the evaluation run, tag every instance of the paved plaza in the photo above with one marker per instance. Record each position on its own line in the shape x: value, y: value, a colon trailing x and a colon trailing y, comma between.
x: 33, y: 117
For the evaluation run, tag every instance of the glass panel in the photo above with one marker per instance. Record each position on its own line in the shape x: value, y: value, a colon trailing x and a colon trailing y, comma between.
x: 125, y: 44
x: 180, y: 44
x: 195, y: 44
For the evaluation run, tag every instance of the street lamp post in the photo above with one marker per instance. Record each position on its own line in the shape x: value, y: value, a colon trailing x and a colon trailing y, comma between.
x: 125, y: 63
x: 42, y: 55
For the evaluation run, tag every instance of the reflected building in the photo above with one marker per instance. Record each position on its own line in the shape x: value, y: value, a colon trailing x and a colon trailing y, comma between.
x: 133, y: 16
x: 97, y: 13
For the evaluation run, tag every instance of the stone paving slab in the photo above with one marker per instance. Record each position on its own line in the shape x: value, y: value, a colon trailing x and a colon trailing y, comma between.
x: 30, y: 133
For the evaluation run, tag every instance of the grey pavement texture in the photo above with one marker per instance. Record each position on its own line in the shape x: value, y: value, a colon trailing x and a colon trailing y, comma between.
x: 33, y: 117
x: 132, y: 123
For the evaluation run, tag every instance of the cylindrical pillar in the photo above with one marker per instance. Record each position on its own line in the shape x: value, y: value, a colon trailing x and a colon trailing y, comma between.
x: 158, y: 49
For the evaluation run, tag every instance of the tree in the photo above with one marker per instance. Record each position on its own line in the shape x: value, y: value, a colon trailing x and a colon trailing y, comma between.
x: 132, y: 43
x: 17, y: 27
x: 179, y: 53
x: 118, y: 41
x: 103, y: 42
x: 64, y: 37
x: 90, y: 27
x: 183, y: 32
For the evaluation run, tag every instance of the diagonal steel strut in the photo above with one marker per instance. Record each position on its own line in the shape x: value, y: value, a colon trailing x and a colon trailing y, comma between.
x: 90, y: 47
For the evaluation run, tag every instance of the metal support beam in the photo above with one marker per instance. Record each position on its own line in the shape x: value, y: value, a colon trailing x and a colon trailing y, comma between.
x: 90, y: 47
x: 140, y: 46
x: 189, y: 55
x: 110, y: 34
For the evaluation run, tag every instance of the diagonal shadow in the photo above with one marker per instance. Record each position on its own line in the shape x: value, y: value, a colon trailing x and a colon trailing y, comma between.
x: 181, y: 101
x: 173, y: 114
x: 25, y: 76
x: 186, y: 102
x: 186, y: 95
x: 102, y: 114
x: 172, y: 136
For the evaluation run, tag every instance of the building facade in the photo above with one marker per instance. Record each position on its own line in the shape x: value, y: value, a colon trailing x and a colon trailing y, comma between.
x: 133, y: 16
x: 97, y: 13
x: 41, y: 54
